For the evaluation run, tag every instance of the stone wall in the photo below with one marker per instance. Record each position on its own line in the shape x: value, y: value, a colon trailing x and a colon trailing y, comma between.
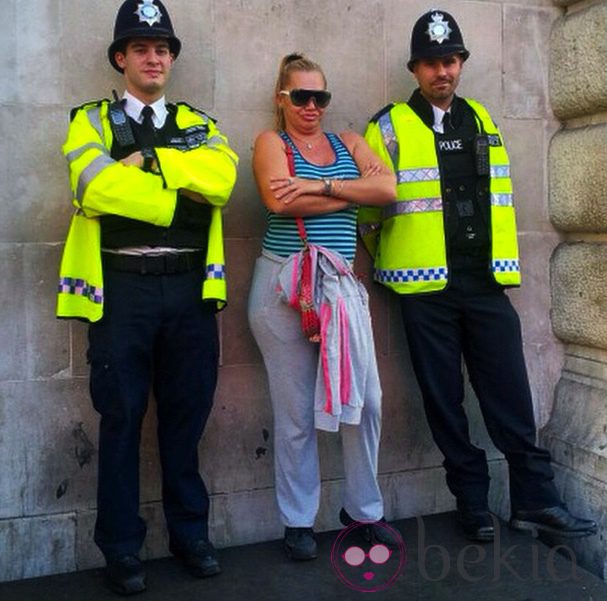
x: 577, y: 431
x: 54, y: 58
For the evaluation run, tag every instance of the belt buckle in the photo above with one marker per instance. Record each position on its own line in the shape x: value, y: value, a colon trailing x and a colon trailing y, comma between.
x: 171, y: 263
x: 143, y: 264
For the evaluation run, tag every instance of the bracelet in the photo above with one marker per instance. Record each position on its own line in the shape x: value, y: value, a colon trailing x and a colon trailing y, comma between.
x: 328, y: 186
x: 338, y: 192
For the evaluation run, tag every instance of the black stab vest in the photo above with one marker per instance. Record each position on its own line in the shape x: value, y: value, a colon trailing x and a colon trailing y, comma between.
x: 190, y: 225
x: 466, y: 194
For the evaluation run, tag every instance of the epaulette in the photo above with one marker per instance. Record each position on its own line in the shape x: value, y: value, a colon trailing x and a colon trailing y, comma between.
x: 381, y: 112
x: 86, y: 105
x: 197, y: 111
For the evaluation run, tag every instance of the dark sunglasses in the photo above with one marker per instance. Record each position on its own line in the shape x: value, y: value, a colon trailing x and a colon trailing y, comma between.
x: 301, y: 97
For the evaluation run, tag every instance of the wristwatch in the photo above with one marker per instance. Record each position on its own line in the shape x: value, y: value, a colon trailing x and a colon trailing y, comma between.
x: 149, y: 156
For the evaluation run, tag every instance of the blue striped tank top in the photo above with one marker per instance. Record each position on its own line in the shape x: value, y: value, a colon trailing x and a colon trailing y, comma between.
x: 336, y: 231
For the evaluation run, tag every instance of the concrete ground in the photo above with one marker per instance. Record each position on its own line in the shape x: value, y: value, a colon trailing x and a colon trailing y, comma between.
x: 434, y: 564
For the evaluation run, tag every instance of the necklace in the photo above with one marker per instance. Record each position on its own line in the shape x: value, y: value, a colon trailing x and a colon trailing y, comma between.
x: 308, y: 145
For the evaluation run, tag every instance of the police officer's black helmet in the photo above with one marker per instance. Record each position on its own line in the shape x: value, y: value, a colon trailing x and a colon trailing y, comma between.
x: 142, y: 19
x: 436, y: 34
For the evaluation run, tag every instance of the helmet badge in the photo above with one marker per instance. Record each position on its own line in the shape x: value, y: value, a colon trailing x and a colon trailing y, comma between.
x: 438, y: 30
x: 148, y: 12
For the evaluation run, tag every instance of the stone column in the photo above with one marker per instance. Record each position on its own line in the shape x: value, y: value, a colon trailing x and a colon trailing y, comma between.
x: 577, y: 431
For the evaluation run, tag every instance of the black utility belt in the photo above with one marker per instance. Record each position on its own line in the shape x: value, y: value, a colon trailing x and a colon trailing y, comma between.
x: 155, y: 264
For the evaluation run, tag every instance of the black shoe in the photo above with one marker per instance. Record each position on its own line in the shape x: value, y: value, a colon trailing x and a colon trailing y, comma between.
x: 477, y: 524
x: 554, y: 520
x: 125, y: 575
x: 300, y: 544
x: 373, y: 533
x: 199, y: 558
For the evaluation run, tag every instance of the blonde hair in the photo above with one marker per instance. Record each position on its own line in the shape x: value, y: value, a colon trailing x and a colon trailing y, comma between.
x: 290, y: 63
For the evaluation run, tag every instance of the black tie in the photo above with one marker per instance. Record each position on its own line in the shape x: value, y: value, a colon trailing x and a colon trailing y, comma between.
x: 447, y: 125
x: 148, y: 131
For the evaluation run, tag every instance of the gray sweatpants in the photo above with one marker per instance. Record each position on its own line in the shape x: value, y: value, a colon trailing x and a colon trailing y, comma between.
x: 291, y: 363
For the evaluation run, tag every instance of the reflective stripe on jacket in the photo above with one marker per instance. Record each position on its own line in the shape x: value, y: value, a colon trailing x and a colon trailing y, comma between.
x: 100, y: 185
x: 407, y: 238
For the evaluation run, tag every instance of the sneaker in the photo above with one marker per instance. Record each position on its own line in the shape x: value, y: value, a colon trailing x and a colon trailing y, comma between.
x: 299, y: 544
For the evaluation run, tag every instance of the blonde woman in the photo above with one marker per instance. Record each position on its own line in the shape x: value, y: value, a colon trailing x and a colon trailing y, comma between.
x: 330, y: 175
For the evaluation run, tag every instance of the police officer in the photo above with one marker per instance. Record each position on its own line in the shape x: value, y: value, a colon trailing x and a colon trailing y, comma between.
x: 143, y: 263
x: 448, y: 247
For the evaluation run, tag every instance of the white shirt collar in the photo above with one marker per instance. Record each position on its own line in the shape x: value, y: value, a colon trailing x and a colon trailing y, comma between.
x: 438, y: 119
x: 133, y: 107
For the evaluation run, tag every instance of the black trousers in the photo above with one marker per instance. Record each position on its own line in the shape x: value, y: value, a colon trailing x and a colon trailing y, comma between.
x: 156, y: 333
x: 474, y: 320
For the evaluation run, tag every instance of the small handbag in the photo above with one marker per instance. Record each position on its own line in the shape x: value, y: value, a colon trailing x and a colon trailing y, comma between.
x: 310, y: 322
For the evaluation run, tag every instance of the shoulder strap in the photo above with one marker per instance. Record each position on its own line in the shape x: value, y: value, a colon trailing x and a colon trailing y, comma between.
x: 482, y: 115
x: 301, y: 228
x: 196, y: 110
x: 382, y: 111
x: 86, y: 106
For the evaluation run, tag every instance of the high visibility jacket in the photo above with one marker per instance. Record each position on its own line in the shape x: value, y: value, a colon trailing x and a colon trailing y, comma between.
x: 101, y: 186
x: 407, y: 238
